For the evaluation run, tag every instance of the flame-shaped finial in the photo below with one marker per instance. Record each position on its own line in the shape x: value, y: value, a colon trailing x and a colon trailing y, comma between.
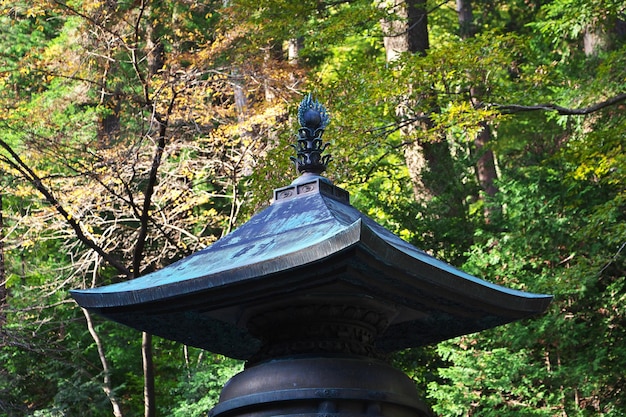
x: 313, y: 120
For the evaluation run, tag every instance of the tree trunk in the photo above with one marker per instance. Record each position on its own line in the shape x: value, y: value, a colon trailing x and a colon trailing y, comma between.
x: 396, y: 31
x: 595, y: 39
x: 406, y: 30
x: 429, y: 162
x: 148, y: 376
x: 466, y: 19
x: 293, y: 50
x: 485, y: 167
x: 3, y: 275
x: 486, y: 170
x: 155, y: 57
x: 106, y: 383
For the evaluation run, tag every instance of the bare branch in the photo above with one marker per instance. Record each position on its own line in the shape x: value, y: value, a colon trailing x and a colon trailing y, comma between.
x: 613, y: 259
x: 518, y: 108
x: 106, y: 383
x: 18, y: 164
x: 87, y: 18
x: 152, y: 180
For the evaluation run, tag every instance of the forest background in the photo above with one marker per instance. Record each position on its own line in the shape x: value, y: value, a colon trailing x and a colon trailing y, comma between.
x: 489, y: 133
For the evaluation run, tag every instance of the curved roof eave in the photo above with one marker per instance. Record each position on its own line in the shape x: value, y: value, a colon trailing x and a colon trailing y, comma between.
x: 167, y: 284
x: 301, y: 245
x: 325, y: 227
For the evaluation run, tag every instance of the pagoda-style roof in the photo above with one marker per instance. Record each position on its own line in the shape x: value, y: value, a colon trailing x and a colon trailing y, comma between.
x: 310, y: 260
x: 309, y: 243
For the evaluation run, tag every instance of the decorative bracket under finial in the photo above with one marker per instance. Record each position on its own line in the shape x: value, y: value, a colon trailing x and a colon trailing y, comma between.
x: 313, y: 119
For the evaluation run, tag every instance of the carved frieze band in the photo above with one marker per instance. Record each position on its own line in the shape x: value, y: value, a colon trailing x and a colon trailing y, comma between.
x: 318, y: 328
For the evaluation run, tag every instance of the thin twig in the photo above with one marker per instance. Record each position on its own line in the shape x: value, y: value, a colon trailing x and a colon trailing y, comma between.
x: 613, y: 259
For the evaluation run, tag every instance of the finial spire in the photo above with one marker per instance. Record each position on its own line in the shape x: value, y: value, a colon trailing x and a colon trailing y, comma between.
x: 313, y: 120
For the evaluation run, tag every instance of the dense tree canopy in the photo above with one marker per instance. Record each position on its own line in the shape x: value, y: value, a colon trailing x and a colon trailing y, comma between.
x: 489, y: 133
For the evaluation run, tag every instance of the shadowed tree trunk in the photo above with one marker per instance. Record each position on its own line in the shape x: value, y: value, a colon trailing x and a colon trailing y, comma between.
x: 148, y: 376
x: 406, y: 30
x: 428, y: 159
x: 3, y: 277
x: 485, y: 165
x: 465, y: 13
x: 154, y: 53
